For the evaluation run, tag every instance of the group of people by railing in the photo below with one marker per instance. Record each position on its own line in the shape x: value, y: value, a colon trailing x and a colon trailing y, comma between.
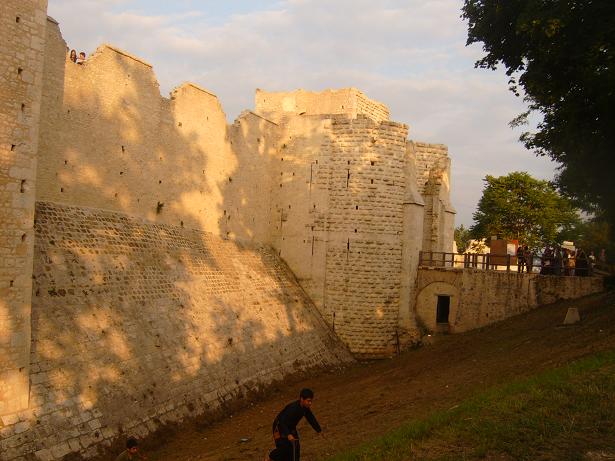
x: 557, y: 260
x: 553, y: 260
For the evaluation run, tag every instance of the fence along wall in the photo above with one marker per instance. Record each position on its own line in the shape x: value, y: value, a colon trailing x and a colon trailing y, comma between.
x: 22, y: 34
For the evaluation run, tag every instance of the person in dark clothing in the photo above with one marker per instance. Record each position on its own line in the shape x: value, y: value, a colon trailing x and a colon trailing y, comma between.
x: 520, y: 259
x: 285, y: 433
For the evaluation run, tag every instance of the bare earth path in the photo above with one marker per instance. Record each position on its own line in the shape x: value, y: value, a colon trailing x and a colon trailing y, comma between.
x: 368, y: 399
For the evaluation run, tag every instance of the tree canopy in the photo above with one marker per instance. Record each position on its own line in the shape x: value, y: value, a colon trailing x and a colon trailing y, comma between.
x: 520, y: 207
x: 561, y: 53
x: 462, y: 238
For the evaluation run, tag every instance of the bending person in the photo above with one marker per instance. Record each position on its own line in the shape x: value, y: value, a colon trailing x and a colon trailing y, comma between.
x: 285, y: 433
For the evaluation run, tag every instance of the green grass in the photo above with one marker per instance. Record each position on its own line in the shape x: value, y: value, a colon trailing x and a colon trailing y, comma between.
x: 559, y: 414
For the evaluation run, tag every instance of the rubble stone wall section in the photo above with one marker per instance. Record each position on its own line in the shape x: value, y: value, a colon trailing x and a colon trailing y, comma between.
x: 427, y: 157
x: 136, y: 325
x: 433, y: 181
x: 479, y: 298
x: 22, y: 38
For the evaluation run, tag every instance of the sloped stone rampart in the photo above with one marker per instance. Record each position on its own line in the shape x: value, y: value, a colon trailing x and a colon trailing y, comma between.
x: 136, y: 325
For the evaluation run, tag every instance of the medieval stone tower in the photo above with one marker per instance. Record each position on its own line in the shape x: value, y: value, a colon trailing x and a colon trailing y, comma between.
x: 22, y: 56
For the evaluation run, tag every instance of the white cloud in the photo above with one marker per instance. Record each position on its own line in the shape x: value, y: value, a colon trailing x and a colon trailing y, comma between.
x: 411, y: 55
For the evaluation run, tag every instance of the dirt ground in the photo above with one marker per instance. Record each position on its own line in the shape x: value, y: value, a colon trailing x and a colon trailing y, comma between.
x: 368, y: 399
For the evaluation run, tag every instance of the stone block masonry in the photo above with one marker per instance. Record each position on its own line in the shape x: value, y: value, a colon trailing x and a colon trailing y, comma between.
x: 339, y: 222
x: 348, y: 101
x: 365, y: 228
x: 478, y: 298
x: 22, y: 38
x: 136, y: 325
x: 159, y: 280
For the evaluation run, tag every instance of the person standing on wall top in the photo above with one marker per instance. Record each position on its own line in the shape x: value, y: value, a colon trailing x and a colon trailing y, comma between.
x: 529, y: 259
x: 285, y: 433
x: 73, y: 56
x: 81, y: 58
x: 520, y: 259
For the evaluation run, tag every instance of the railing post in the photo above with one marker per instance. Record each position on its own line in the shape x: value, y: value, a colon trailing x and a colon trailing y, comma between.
x: 507, y: 263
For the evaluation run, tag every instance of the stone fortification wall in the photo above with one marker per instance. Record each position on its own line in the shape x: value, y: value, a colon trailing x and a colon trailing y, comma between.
x: 22, y: 34
x: 479, y: 298
x: 433, y: 172
x: 347, y: 101
x: 137, y: 324
x: 339, y: 222
x: 328, y: 192
x: 365, y: 226
x: 427, y: 158
x: 109, y: 140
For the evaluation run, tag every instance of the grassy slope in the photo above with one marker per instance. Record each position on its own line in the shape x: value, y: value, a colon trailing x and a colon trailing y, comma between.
x: 560, y: 414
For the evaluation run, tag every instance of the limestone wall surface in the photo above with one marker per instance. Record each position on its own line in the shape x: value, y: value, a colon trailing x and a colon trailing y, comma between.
x: 149, y: 212
x: 327, y: 191
x: 479, y: 298
x: 433, y: 173
x: 347, y: 101
x: 138, y: 324
x: 338, y: 221
x: 109, y: 140
x: 22, y: 34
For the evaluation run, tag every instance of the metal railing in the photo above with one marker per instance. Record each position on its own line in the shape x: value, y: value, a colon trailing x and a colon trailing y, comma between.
x: 497, y: 262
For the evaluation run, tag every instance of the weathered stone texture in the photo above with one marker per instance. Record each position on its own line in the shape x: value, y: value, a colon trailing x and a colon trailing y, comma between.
x: 348, y: 101
x: 110, y: 141
x: 365, y: 224
x: 479, y: 298
x: 339, y: 222
x: 433, y: 173
x: 22, y: 34
x: 138, y: 324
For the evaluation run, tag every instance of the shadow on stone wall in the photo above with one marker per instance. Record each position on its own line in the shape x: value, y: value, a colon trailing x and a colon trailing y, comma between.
x: 137, y: 325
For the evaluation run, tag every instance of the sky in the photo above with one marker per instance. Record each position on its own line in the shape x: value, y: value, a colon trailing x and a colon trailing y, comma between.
x: 407, y: 54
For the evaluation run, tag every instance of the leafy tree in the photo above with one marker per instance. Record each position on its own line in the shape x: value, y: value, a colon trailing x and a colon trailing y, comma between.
x: 462, y: 238
x: 517, y: 206
x: 593, y: 235
x: 561, y: 53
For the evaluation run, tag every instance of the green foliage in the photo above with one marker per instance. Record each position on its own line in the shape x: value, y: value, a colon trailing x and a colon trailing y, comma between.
x: 594, y: 235
x: 517, y: 206
x: 557, y: 414
x: 561, y: 53
x: 462, y: 238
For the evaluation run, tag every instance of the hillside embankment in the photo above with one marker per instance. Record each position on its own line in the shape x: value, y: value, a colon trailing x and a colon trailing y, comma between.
x: 370, y: 399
